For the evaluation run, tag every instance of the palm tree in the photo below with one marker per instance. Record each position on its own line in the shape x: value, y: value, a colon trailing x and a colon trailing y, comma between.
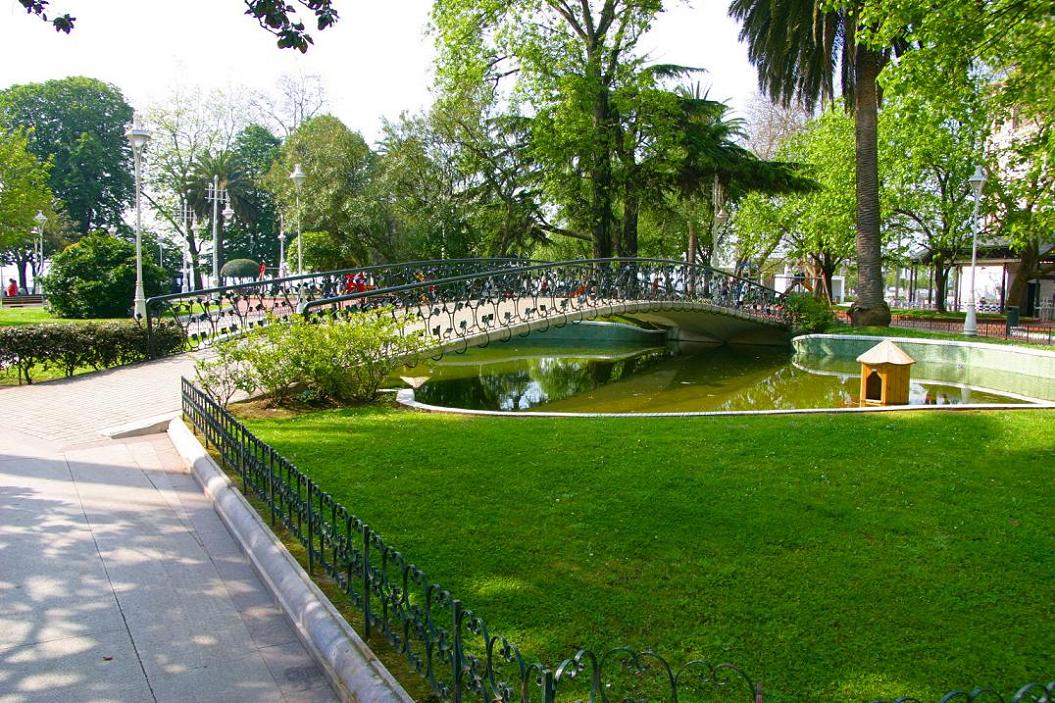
x: 798, y: 50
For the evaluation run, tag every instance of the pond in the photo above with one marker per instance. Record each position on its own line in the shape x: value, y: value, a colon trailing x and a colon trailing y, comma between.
x: 533, y: 374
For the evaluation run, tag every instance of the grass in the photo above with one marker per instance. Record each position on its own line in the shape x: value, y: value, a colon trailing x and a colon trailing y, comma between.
x: 842, y: 557
x: 35, y: 315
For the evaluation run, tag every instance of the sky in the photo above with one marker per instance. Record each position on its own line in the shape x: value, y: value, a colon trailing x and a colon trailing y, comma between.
x: 376, y: 62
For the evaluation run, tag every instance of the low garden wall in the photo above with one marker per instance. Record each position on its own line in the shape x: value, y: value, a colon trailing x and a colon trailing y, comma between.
x: 1001, y: 367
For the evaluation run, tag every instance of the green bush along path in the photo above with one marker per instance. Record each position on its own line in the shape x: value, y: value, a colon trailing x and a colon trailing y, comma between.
x: 839, y: 558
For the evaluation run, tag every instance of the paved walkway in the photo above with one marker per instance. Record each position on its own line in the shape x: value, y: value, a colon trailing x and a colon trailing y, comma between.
x: 73, y: 410
x: 118, y: 582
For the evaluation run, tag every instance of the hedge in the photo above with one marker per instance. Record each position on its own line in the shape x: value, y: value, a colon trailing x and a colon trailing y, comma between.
x: 68, y: 347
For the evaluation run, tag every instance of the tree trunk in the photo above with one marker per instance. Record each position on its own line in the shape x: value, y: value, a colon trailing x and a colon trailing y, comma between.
x: 690, y: 256
x: 941, y: 278
x: 827, y: 274
x: 1028, y: 269
x: 870, y: 309
x: 631, y: 212
x: 601, y: 178
x: 694, y: 243
x: 21, y: 261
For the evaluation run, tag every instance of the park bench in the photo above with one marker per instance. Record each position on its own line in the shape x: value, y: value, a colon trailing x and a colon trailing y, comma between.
x: 20, y: 301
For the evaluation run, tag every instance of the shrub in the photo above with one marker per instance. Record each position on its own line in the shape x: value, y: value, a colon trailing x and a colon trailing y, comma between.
x: 69, y: 347
x: 240, y: 268
x: 354, y: 356
x: 344, y: 360
x: 96, y: 277
x: 807, y: 314
x: 226, y: 373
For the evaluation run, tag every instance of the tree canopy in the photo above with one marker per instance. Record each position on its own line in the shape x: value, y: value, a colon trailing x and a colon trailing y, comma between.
x: 78, y: 125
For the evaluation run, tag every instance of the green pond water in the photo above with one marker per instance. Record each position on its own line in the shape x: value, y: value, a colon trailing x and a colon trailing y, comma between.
x: 528, y: 375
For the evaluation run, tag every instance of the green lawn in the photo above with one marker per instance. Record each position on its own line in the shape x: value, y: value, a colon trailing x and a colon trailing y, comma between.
x: 32, y: 316
x: 839, y: 557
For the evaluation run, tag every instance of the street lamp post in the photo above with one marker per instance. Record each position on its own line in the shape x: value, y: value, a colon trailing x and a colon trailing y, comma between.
x: 138, y: 136
x: 970, y: 322
x: 281, y: 246
x: 217, y: 195
x: 40, y: 218
x: 298, y: 180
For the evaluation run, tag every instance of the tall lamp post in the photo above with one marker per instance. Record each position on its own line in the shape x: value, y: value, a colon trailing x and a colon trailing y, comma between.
x: 281, y: 246
x: 970, y: 322
x: 138, y: 136
x: 298, y: 180
x: 40, y: 218
x: 217, y: 195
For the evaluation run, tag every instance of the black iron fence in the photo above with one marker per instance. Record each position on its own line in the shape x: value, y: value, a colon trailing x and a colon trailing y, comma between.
x: 210, y: 313
x: 1029, y: 333
x: 447, y: 644
x: 457, y: 299
x: 473, y: 308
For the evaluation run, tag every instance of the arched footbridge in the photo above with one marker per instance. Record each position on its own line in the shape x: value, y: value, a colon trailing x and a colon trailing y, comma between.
x: 456, y: 304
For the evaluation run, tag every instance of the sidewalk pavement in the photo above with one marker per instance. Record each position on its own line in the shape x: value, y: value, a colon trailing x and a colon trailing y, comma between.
x: 118, y: 582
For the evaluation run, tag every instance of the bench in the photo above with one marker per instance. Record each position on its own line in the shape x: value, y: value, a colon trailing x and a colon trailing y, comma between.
x: 19, y: 301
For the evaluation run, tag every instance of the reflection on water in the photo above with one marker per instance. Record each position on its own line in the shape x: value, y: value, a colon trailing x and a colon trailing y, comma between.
x: 532, y: 376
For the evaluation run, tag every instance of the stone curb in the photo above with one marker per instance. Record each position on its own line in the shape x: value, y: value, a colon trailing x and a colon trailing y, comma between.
x: 138, y: 428
x: 354, y: 671
x: 405, y: 397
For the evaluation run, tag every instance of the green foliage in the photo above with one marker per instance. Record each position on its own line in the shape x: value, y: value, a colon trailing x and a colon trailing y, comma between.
x: 240, y: 268
x: 352, y: 357
x: 77, y: 124
x: 96, y: 278
x: 814, y: 229
x: 343, y: 360
x: 69, y: 347
x: 807, y: 313
x: 321, y: 252
x: 337, y: 163
x: 24, y: 191
x: 929, y: 146
x: 254, y: 232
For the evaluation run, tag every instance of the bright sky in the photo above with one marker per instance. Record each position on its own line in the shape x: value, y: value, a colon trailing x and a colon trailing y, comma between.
x: 376, y: 62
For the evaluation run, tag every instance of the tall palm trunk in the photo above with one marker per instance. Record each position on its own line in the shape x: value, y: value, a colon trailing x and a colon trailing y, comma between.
x: 870, y: 308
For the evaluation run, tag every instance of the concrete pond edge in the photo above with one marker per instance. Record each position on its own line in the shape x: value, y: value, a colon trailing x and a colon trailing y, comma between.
x: 354, y: 671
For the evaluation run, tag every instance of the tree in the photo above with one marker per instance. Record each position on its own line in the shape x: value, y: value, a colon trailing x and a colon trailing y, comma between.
x: 79, y: 125
x: 190, y: 129
x: 298, y: 99
x: 321, y: 252
x: 23, y: 193
x: 930, y: 148
x: 337, y: 163
x: 276, y: 16
x: 1009, y: 43
x: 254, y: 232
x: 814, y: 229
x: 798, y: 48
x: 96, y: 277
x: 568, y: 59
x: 769, y: 124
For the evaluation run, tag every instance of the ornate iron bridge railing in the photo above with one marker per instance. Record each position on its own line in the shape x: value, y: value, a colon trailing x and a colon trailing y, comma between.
x: 447, y: 644
x: 207, y: 314
x: 478, y: 307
